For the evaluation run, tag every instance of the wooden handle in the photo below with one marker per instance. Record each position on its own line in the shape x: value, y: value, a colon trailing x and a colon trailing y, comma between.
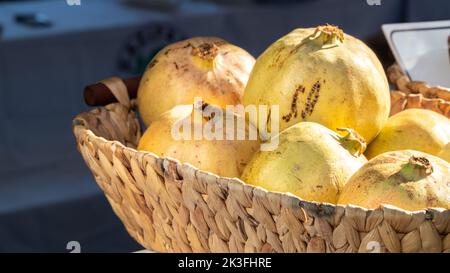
x: 99, y: 94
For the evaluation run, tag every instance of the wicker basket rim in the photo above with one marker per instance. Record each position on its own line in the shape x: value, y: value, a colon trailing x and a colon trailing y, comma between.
x: 407, y: 95
x: 396, y: 74
x: 321, y: 209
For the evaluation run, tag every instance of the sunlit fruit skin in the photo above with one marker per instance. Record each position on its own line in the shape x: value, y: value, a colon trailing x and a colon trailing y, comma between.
x: 393, y: 178
x: 206, y: 67
x: 222, y: 157
x: 445, y: 152
x: 310, y: 162
x: 415, y: 129
x: 332, y: 82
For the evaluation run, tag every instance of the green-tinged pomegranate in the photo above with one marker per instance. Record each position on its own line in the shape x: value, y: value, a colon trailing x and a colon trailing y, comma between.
x: 321, y: 75
x: 311, y: 161
x: 407, y: 179
x: 200, y: 135
x: 413, y: 129
x: 205, y: 67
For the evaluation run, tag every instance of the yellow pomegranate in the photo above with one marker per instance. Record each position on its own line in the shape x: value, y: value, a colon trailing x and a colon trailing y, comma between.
x: 414, y: 129
x: 311, y: 161
x: 205, y: 67
x: 321, y: 75
x: 407, y: 179
x: 200, y: 136
x: 445, y: 153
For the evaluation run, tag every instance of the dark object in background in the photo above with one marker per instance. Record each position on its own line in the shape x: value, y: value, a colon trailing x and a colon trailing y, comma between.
x: 144, y: 44
x: 380, y: 46
x: 33, y: 19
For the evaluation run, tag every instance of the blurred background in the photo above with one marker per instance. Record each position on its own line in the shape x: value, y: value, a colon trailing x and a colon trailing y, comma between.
x: 51, y: 49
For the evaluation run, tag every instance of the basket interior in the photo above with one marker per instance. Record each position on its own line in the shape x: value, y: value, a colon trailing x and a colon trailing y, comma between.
x: 113, y: 122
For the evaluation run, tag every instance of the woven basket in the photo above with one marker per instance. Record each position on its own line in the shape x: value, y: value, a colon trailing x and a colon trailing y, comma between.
x: 172, y: 207
x: 415, y: 94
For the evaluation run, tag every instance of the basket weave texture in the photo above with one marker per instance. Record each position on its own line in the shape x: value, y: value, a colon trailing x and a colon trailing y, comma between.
x: 167, y: 206
x: 415, y: 94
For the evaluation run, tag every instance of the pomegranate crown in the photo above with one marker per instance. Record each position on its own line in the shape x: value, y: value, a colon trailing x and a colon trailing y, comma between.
x: 328, y: 35
x: 352, y: 141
